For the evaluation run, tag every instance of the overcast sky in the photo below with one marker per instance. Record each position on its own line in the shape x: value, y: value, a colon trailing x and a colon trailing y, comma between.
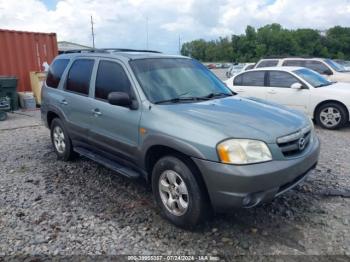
x: 123, y: 23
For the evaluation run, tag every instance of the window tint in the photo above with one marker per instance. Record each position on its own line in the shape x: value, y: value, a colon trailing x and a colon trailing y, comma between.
x: 55, y: 72
x: 317, y: 66
x: 110, y: 78
x: 294, y: 63
x: 238, y: 80
x: 79, y: 75
x: 249, y: 67
x: 267, y: 63
x: 256, y: 78
x: 281, y: 79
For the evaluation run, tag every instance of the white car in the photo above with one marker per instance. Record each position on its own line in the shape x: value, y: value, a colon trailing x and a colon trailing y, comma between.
x: 235, y: 69
x: 299, y: 88
x: 326, y: 67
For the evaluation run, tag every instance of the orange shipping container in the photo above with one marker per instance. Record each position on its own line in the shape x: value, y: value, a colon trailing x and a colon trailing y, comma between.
x: 22, y: 52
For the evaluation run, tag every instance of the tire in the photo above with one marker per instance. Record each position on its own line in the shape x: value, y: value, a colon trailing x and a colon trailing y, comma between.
x: 331, y: 116
x: 3, y: 116
x: 197, y: 209
x: 65, y: 151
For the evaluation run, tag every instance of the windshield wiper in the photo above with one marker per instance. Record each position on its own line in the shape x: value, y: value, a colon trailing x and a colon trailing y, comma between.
x: 213, y: 95
x: 181, y: 99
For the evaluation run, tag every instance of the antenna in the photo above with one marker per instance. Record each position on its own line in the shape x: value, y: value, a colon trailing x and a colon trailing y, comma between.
x: 92, y: 33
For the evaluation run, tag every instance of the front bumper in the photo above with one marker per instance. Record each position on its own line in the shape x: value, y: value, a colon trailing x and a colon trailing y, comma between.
x: 232, y: 186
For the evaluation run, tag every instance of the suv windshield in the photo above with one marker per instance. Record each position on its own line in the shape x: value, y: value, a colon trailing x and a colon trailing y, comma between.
x: 176, y: 80
x: 313, y: 78
x: 337, y: 67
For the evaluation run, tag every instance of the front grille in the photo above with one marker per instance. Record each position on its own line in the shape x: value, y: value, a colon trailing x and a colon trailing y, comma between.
x: 295, y: 143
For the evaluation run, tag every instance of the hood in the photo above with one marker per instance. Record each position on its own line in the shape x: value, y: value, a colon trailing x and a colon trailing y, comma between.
x: 237, y: 117
x: 341, y: 86
x: 341, y: 76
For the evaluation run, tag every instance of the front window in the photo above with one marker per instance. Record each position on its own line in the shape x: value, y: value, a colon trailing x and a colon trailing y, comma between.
x: 337, y: 67
x: 313, y: 78
x: 177, y: 80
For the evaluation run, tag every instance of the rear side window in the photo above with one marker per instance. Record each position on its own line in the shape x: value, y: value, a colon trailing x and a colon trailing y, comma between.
x: 281, y: 79
x: 294, y: 63
x: 111, y: 77
x: 55, y: 72
x: 256, y: 78
x: 317, y: 66
x: 267, y: 63
x: 79, y: 75
x: 249, y: 67
x: 238, y: 80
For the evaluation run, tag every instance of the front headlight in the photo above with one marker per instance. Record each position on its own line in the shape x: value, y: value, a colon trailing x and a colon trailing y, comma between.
x: 243, y: 151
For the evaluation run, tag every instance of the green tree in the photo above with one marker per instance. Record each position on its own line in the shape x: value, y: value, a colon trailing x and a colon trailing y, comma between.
x: 272, y: 40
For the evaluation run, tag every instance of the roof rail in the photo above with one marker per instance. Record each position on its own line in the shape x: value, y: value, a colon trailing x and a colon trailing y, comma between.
x: 129, y: 50
x: 90, y: 50
x: 286, y: 56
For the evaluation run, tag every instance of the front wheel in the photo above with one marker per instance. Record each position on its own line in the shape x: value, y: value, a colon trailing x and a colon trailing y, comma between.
x: 178, y: 192
x: 331, y: 116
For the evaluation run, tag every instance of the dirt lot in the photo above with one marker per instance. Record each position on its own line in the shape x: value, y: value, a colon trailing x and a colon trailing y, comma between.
x: 52, y: 207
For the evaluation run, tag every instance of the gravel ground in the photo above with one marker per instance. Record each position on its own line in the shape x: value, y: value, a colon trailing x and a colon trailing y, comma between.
x: 57, y: 208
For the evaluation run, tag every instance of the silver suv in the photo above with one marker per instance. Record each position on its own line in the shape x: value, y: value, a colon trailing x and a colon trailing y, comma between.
x: 171, y: 121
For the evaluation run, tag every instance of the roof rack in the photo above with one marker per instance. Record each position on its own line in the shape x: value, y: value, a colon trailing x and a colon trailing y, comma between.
x: 87, y: 50
x: 129, y: 50
x: 286, y: 56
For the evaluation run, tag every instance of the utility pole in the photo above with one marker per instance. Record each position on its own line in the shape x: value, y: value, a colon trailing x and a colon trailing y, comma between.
x: 92, y: 33
x: 146, y: 32
x: 179, y: 45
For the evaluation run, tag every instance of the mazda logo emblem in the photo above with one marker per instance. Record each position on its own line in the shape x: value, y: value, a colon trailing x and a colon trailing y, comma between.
x: 301, y: 143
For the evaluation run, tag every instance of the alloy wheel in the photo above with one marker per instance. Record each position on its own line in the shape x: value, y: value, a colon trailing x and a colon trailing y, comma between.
x: 173, y: 192
x: 59, y: 140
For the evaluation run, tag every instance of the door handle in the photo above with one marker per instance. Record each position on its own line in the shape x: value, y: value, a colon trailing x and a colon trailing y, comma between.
x: 64, y: 102
x: 96, y: 112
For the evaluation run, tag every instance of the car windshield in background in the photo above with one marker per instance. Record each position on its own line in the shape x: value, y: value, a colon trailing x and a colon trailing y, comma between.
x: 177, y: 80
x: 313, y: 78
x: 337, y: 67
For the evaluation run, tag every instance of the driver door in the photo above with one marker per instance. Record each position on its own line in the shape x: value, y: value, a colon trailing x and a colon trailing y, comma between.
x: 280, y: 91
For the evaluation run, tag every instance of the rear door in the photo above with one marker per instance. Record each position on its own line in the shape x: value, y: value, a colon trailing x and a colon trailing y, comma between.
x: 75, y: 101
x: 115, y: 129
x: 280, y: 91
x: 251, y: 84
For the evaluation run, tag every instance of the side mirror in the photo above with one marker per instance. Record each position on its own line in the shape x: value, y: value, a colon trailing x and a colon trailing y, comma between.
x: 328, y: 72
x: 296, y: 86
x: 119, y: 99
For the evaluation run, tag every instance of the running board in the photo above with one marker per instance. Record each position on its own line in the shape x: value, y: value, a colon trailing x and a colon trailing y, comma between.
x: 123, y: 170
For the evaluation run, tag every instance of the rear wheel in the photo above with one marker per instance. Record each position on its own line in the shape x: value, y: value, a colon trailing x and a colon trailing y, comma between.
x: 61, y: 141
x: 331, y: 116
x: 3, y: 116
x: 177, y: 192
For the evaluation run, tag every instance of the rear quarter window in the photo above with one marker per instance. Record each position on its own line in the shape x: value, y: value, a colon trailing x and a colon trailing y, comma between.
x: 238, y: 80
x: 267, y: 63
x: 55, y: 72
